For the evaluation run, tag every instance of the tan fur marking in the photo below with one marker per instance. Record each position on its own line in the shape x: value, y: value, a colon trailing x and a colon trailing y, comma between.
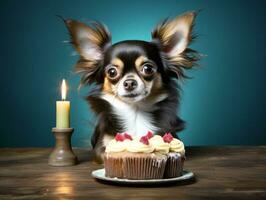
x: 118, y: 63
x: 107, y: 86
x: 157, y: 88
x: 140, y: 60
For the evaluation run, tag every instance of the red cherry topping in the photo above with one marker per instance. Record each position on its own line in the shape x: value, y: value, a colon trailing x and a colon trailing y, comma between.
x: 127, y: 136
x: 144, y: 140
x: 168, y: 137
x: 119, y: 137
x: 149, y: 135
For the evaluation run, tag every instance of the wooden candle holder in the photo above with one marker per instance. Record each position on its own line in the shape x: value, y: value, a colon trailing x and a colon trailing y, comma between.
x: 62, y: 154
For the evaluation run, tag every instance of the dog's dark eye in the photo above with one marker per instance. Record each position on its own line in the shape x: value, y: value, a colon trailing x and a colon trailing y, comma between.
x: 148, y: 70
x: 112, y: 72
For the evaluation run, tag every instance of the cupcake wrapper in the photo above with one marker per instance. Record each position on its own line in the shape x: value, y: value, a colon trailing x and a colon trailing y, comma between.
x: 174, y: 166
x: 144, y: 167
x: 113, y: 166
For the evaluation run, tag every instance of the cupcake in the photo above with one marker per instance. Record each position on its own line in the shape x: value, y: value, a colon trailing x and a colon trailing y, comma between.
x: 148, y: 157
x: 141, y: 162
x: 113, y: 157
x: 175, y: 157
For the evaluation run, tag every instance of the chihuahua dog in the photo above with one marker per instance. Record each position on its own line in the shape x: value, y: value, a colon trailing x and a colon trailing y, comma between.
x: 135, y: 81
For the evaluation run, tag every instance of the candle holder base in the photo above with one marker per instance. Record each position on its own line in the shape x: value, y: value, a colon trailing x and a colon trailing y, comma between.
x: 62, y: 154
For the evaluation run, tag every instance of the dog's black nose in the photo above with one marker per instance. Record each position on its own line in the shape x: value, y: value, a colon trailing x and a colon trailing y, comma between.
x: 130, y: 84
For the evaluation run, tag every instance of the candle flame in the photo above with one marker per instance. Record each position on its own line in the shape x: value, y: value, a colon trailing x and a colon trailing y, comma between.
x: 63, y: 89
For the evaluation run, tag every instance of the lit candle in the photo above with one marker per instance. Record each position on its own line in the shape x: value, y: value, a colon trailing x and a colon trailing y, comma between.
x: 62, y: 109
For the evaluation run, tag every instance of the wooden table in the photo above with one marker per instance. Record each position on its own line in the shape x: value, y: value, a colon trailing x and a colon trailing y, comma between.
x: 221, y: 173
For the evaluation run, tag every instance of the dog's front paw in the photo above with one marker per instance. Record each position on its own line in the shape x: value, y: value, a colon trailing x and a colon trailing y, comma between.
x: 98, y: 155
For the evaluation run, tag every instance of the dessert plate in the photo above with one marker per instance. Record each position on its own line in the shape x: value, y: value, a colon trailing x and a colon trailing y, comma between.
x: 100, y: 174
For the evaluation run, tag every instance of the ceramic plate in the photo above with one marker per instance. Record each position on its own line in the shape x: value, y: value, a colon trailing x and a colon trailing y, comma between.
x: 100, y: 174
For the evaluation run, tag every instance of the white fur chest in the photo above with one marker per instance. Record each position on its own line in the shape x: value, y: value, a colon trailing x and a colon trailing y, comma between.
x: 135, y: 120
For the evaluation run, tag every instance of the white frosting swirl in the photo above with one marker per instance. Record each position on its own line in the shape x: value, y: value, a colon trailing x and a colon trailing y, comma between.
x: 177, y: 146
x: 138, y: 147
x: 159, y: 145
x: 117, y: 146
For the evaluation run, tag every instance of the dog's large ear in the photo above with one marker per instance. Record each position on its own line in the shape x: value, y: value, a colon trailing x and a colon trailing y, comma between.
x: 90, y: 41
x: 173, y: 37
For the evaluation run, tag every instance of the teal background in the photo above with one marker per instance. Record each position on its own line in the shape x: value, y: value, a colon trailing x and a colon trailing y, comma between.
x: 223, y: 104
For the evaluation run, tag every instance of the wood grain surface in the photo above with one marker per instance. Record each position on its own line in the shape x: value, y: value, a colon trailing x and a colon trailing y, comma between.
x: 221, y: 173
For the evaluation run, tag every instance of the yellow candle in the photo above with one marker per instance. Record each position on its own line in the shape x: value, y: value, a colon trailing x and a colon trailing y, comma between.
x: 63, y: 109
